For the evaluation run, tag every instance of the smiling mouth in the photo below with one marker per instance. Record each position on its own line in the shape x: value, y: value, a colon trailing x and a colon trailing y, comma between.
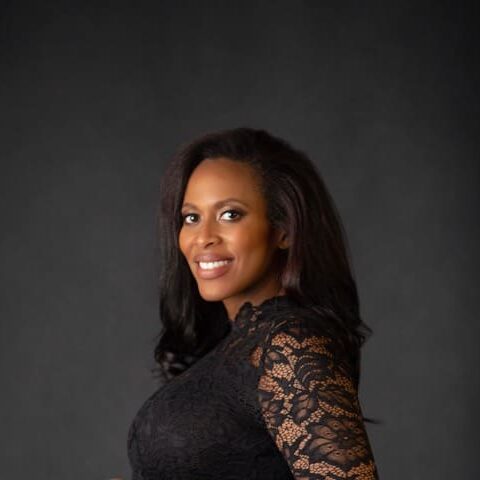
x: 213, y: 265
x: 210, y: 270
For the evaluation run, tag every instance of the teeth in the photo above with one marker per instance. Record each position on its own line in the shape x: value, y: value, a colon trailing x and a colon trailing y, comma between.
x: 211, y: 265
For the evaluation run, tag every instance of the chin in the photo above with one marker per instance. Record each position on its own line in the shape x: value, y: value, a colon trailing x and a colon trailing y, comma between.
x: 213, y: 294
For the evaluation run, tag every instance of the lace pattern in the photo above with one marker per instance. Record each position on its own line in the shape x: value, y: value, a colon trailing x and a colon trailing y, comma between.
x: 310, y: 406
x: 275, y: 400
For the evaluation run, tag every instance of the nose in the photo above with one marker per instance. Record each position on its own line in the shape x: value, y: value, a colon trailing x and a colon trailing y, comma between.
x: 207, y: 233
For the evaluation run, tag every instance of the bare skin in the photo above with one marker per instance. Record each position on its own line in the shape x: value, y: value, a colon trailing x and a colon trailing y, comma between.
x: 238, y: 229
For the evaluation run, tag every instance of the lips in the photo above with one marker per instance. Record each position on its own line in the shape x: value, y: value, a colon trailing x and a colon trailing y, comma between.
x: 210, y: 257
x: 211, y: 273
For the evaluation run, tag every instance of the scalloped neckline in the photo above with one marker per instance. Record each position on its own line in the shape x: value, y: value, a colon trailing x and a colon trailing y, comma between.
x: 248, y: 312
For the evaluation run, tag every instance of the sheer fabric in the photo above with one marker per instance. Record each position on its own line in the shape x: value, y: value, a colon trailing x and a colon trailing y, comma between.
x: 275, y: 399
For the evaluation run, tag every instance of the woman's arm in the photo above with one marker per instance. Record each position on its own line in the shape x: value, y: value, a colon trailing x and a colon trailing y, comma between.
x: 311, y: 409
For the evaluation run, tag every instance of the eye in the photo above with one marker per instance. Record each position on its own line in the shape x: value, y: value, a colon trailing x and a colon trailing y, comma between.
x: 237, y: 214
x: 184, y: 217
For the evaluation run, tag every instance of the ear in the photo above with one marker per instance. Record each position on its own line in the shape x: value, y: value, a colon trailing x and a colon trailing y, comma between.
x: 283, y: 242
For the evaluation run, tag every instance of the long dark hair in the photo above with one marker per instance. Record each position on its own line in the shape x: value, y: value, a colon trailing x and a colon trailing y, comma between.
x: 316, y: 269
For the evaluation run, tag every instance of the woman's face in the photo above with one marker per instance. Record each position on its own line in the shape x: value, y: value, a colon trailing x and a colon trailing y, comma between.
x: 225, y: 221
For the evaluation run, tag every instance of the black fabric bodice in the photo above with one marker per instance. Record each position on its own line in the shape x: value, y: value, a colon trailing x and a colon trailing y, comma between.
x: 248, y: 409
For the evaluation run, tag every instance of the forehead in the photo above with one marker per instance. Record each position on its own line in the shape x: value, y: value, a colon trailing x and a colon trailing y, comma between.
x: 214, y: 179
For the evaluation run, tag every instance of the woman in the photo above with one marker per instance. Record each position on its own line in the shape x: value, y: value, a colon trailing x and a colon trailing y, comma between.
x: 259, y: 349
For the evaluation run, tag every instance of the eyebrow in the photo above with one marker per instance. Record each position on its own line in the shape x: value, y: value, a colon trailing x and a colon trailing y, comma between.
x: 217, y: 204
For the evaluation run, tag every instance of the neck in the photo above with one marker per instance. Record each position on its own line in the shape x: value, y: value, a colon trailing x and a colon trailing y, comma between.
x: 232, y: 305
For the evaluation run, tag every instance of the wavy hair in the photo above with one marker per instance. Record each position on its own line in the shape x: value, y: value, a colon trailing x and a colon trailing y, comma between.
x: 316, y: 267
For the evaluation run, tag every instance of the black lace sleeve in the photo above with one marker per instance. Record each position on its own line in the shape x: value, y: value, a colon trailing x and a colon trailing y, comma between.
x: 310, y: 405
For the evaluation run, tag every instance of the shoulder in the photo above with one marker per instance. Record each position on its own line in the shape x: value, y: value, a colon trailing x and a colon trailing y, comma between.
x: 300, y: 323
x: 300, y: 332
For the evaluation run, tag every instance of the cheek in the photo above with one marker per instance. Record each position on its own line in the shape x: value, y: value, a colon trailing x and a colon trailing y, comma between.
x: 252, y: 244
x: 183, y: 241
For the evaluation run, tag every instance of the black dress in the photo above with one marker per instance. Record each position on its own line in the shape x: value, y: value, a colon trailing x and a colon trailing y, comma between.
x: 274, y: 400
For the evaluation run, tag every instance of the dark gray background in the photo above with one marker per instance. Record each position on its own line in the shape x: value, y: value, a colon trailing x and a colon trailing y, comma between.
x: 95, y: 98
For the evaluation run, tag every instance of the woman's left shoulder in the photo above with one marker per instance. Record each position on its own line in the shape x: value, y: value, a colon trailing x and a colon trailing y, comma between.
x: 301, y: 319
x: 302, y: 327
